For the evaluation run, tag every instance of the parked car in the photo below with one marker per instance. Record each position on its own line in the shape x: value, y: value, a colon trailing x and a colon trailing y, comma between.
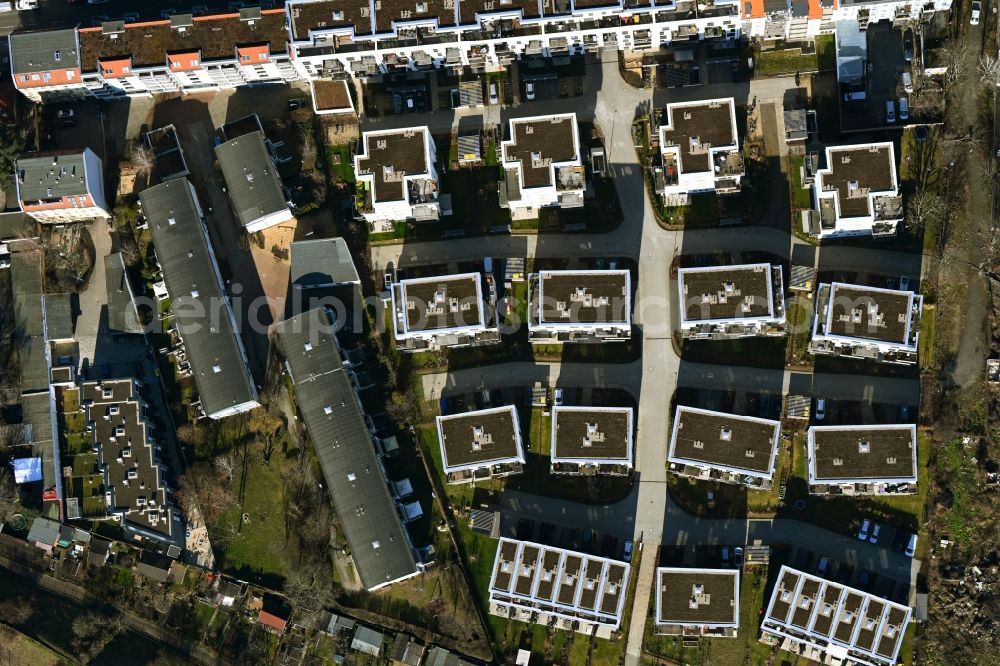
x: 627, y: 552
x: 529, y: 90
x: 558, y: 397
x: 725, y: 556
x: 588, y: 538
x: 908, y: 46
x: 66, y: 123
x: 65, y: 113
x: 131, y: 17
x: 525, y: 528
x: 866, y: 526
x: 890, y: 111
x: 907, y: 82
x: 199, y: 10
x: 857, y: 96
x: 609, y: 545
x: 738, y: 556
x: 974, y: 15
x: 167, y: 12
x: 911, y: 545
x: 904, y: 413
x: 904, y: 108
x: 904, y: 281
x: 866, y: 581
x: 823, y: 566
x: 876, y: 533
x: 821, y: 409
x: 296, y: 103
x: 494, y: 94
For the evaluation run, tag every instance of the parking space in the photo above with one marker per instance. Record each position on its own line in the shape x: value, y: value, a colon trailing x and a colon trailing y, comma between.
x: 72, y: 126
x: 890, y: 53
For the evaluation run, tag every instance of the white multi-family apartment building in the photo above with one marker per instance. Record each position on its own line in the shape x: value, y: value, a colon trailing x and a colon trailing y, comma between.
x: 580, y: 306
x: 725, y: 302
x: 699, y: 150
x: 444, y: 311
x: 855, y: 192
x: 396, y: 169
x: 542, y: 165
x: 866, y: 323
x: 697, y: 602
x: 862, y: 459
x: 62, y: 187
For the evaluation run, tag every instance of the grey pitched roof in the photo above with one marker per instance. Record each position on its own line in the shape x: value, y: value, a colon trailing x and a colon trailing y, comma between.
x: 203, y: 314
x: 324, y: 262
x: 58, y: 317
x: 36, y: 411
x: 154, y: 565
x: 336, y: 425
x: 47, y: 177
x: 251, y: 177
x: 26, y: 283
x: 367, y: 640
x: 122, y: 313
x: 36, y: 51
x: 44, y: 530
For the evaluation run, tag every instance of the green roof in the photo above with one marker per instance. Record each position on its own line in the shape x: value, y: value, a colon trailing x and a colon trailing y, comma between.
x: 202, y: 313
x: 251, y: 178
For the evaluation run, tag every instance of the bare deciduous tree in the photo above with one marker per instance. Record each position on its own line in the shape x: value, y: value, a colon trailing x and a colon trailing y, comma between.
x: 226, y: 465
x: 142, y: 159
x: 955, y: 58
x: 9, y: 500
x: 989, y: 70
x: 924, y: 208
x: 201, y: 487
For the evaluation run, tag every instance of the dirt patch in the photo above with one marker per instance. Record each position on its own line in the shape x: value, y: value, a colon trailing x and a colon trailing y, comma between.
x: 271, y: 252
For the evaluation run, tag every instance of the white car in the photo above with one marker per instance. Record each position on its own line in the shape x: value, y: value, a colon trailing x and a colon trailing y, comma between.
x: 974, y: 16
x: 529, y: 90
x: 876, y: 533
x: 865, y: 529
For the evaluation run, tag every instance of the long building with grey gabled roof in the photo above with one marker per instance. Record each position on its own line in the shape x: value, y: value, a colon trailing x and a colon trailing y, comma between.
x: 325, y: 393
x: 203, y: 315
x: 254, y: 186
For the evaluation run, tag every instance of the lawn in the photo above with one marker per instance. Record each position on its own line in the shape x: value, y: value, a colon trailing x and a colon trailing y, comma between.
x: 19, y: 649
x: 341, y: 163
x: 801, y: 196
x: 799, y: 321
x: 257, y: 552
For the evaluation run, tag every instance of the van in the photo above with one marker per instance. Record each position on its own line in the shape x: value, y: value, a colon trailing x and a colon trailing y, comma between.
x: 890, y: 111
x: 907, y: 82
x: 911, y: 545
x: 858, y: 96
x: 904, y: 111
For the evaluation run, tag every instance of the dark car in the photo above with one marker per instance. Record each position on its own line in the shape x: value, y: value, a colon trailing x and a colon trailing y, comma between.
x: 525, y: 528
x: 908, y: 47
x: 588, y: 538
x: 609, y: 546
x: 66, y: 122
x: 574, y: 539
x: 296, y: 103
x: 866, y: 581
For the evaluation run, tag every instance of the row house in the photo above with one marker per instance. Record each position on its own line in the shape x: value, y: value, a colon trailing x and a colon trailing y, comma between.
x: 61, y: 187
x: 799, y: 20
x: 184, y: 53
x: 368, y: 37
